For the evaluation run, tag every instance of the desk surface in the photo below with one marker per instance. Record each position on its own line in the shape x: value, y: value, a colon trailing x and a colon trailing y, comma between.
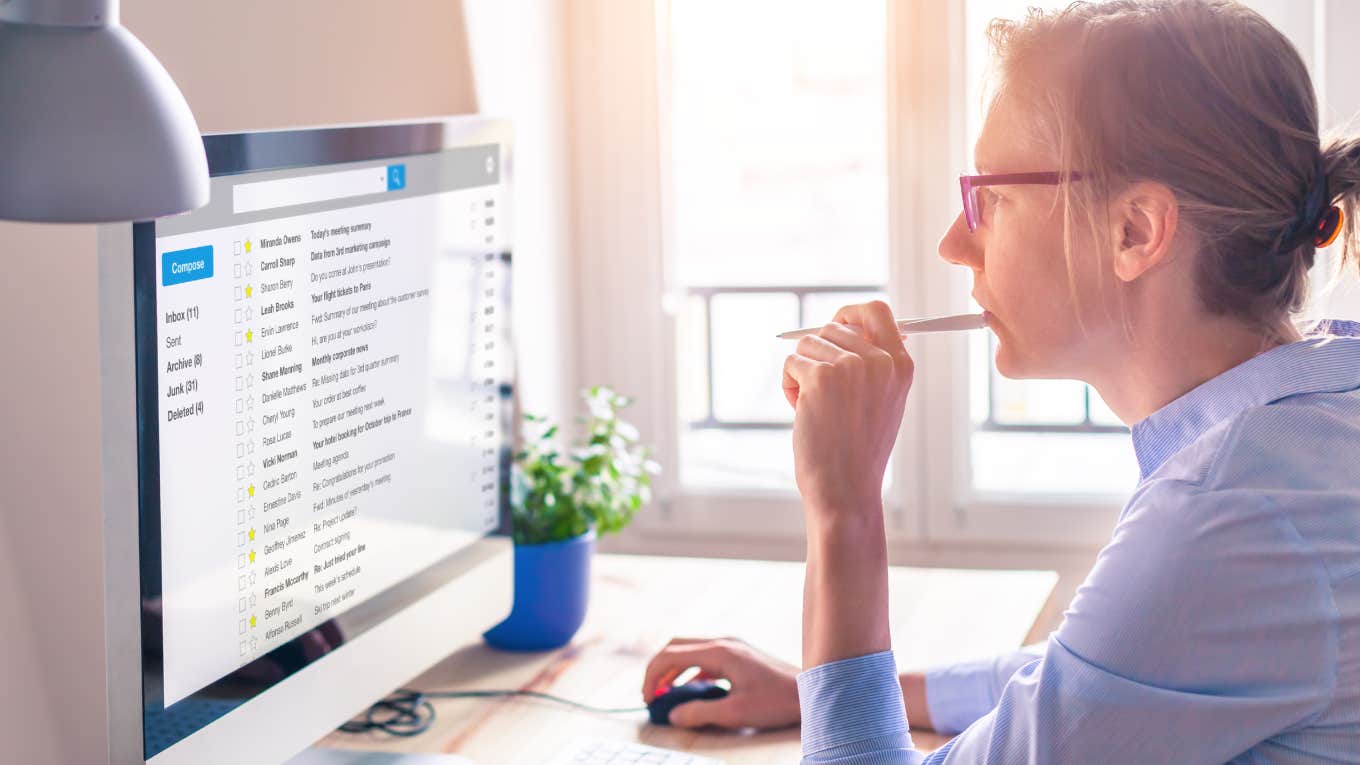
x: 638, y: 603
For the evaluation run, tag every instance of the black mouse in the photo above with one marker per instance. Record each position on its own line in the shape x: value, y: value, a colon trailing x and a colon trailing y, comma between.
x: 661, y: 706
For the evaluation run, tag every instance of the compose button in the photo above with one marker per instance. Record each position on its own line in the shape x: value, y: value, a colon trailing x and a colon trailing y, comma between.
x: 187, y: 265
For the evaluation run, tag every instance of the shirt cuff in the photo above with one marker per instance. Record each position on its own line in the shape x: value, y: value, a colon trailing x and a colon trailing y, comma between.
x: 853, y: 701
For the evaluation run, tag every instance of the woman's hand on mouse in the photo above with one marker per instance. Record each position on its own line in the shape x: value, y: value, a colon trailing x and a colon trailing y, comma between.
x: 764, y: 690
x: 848, y: 387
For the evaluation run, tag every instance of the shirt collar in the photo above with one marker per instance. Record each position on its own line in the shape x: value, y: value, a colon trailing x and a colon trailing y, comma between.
x: 1326, y: 360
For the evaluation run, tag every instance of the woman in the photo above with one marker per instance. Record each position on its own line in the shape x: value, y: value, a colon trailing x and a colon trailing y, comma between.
x: 1157, y: 248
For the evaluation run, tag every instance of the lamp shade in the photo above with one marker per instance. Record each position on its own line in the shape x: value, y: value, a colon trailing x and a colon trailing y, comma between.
x: 92, y: 128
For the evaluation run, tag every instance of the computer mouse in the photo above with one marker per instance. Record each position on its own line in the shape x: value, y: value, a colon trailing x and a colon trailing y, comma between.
x: 660, y: 707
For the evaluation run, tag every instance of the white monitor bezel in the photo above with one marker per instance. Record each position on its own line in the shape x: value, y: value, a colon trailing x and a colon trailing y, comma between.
x: 291, y: 715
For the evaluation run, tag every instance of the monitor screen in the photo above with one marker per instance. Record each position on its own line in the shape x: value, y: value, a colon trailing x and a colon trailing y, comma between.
x: 321, y: 384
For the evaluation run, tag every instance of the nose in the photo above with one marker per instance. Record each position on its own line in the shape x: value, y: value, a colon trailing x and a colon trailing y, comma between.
x: 961, y: 246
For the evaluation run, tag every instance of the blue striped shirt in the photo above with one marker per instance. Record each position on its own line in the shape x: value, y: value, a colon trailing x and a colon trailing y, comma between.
x: 1220, y: 624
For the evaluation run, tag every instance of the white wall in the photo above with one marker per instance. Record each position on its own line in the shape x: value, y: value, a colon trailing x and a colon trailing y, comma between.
x: 50, y: 505
x: 246, y: 64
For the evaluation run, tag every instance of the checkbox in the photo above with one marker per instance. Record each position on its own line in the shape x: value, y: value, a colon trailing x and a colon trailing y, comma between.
x: 240, y: 450
x: 237, y: 293
x: 243, y: 649
x: 241, y: 561
x: 240, y: 472
x: 240, y: 382
x: 240, y: 338
x: 240, y: 428
x: 236, y: 270
x: 238, y: 361
x: 241, y: 582
x: 235, y: 248
x: 240, y: 516
x: 241, y: 538
x: 238, y: 316
x: 240, y: 495
x: 240, y: 405
x: 243, y: 626
x: 241, y: 605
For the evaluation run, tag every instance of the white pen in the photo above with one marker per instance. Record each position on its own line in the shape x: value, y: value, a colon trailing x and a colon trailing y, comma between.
x: 914, y: 326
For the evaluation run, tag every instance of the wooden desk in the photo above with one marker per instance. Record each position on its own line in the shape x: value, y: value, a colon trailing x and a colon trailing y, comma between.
x: 638, y: 603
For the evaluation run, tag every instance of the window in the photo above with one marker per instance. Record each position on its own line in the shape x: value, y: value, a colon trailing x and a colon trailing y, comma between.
x: 777, y: 191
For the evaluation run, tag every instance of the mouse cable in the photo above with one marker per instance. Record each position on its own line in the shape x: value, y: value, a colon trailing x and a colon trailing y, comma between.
x: 408, y: 712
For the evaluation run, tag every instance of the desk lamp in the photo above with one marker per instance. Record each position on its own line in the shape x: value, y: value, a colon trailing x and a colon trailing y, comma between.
x: 92, y: 128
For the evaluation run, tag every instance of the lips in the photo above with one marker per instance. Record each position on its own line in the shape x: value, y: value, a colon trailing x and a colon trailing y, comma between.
x: 987, y: 315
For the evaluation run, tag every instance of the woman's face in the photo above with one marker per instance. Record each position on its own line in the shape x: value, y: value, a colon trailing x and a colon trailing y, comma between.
x: 1020, y: 273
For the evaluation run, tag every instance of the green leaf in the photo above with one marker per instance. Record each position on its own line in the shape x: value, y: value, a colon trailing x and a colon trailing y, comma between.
x: 560, y: 493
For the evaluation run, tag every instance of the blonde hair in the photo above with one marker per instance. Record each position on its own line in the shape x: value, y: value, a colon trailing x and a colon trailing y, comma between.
x: 1207, y: 98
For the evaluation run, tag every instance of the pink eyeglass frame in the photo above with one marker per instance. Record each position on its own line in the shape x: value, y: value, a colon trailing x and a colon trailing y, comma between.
x: 968, y: 185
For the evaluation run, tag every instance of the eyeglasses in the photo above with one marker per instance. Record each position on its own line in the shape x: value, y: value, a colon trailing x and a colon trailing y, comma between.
x: 969, y: 184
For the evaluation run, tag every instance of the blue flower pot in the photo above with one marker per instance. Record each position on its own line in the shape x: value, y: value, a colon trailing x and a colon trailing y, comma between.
x: 552, y: 590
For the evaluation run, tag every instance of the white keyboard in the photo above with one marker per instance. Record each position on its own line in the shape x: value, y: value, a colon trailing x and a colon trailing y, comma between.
x: 600, y: 751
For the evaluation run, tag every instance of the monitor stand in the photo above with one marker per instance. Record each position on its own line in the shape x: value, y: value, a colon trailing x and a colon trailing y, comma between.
x: 324, y: 756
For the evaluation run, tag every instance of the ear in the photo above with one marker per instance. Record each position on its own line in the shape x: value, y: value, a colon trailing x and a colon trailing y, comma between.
x: 1144, y: 221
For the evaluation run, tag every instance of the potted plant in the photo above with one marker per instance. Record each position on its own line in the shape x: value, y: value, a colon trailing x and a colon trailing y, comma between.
x: 560, y: 501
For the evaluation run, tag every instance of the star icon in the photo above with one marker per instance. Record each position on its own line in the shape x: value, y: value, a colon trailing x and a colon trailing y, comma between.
x: 250, y: 336
x: 252, y: 621
x: 251, y: 491
x: 247, y: 245
x: 252, y: 535
x: 252, y: 556
x: 248, y: 290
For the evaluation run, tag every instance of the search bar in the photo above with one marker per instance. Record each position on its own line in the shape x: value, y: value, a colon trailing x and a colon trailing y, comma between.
x: 325, y: 187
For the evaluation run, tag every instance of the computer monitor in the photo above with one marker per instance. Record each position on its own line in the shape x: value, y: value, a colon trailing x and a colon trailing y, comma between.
x: 322, y: 385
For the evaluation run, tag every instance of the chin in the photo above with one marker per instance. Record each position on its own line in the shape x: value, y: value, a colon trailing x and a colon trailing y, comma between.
x: 1016, y: 364
x: 1006, y: 363
x: 1013, y: 365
